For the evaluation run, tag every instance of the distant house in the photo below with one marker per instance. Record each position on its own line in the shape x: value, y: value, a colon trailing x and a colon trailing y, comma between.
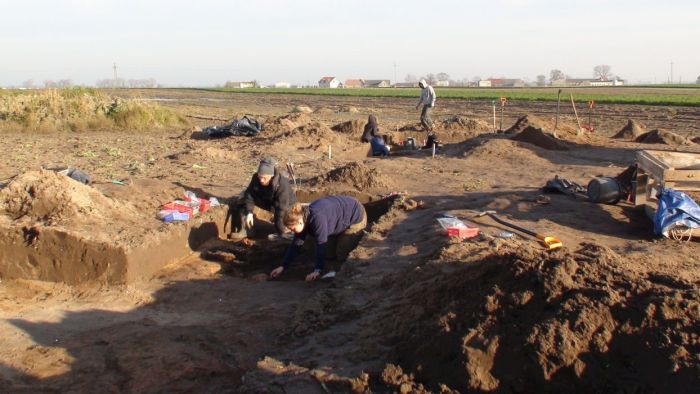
x: 443, y: 84
x: 406, y: 85
x: 376, y: 83
x: 588, y: 82
x: 239, y: 85
x: 329, y: 82
x: 485, y: 83
x: 353, y: 83
x: 283, y: 85
x: 506, y: 83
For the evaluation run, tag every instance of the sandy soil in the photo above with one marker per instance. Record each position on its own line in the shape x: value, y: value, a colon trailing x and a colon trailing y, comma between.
x: 412, y: 310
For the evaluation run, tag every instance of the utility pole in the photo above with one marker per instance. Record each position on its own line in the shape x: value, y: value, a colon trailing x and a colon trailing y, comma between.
x: 115, y: 75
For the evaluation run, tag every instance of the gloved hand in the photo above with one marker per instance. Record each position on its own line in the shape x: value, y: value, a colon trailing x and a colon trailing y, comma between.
x: 313, y: 276
x: 249, y: 220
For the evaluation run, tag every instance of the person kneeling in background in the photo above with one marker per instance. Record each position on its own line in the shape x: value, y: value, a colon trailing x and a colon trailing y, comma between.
x: 328, y: 216
x: 379, y: 148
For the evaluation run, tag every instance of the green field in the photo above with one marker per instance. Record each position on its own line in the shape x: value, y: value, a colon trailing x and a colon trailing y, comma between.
x: 686, y: 95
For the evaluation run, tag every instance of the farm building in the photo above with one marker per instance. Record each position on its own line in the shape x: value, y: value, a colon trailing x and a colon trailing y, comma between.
x: 442, y: 84
x: 283, y: 85
x: 376, y: 83
x: 587, y: 82
x: 406, y: 85
x: 330, y: 82
x: 353, y: 83
x: 239, y: 85
x: 501, y: 83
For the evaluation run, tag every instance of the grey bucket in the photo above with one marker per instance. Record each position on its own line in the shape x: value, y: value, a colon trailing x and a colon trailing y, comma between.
x: 604, y: 190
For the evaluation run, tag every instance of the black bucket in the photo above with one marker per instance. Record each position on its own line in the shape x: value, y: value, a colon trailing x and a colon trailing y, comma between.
x: 604, y: 190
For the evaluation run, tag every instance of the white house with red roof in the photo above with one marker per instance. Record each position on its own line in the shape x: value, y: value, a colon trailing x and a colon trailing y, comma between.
x: 330, y: 82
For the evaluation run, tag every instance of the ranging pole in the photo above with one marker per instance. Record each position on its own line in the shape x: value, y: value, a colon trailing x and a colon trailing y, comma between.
x: 115, y: 75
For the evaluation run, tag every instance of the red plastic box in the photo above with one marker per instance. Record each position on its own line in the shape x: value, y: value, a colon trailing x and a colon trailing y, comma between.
x: 174, y: 206
x: 463, y: 232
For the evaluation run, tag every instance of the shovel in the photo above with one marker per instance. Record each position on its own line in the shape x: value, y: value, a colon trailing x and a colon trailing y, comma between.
x: 550, y: 243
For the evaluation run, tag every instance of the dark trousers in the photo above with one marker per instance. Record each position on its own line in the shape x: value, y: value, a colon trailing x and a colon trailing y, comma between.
x: 239, y: 212
x: 425, y: 120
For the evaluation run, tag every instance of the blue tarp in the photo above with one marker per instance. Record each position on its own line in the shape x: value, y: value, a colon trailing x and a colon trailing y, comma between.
x: 675, y: 209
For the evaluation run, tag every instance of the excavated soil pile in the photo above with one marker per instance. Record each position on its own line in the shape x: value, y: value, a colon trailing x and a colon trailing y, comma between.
x: 526, y: 121
x: 461, y: 123
x: 352, y: 128
x: 349, y: 109
x: 52, y: 198
x: 631, y: 131
x: 536, y: 136
x: 498, y: 151
x: 314, y: 135
x: 286, y: 123
x: 660, y: 136
x: 53, y: 228
x: 522, y: 320
x: 355, y: 176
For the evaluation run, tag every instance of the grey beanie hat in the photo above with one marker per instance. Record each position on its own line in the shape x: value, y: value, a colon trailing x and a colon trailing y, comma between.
x: 267, y: 166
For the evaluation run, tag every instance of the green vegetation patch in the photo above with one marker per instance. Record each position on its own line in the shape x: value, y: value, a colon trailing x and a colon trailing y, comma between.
x: 80, y: 109
x: 681, y: 96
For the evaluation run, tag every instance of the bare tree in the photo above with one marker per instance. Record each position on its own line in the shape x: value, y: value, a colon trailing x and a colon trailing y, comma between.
x: 430, y: 78
x: 49, y: 84
x: 602, y: 71
x: 410, y: 78
x: 556, y: 75
x: 698, y: 80
x: 28, y: 84
x: 443, y: 77
x: 541, y: 80
x: 64, y: 83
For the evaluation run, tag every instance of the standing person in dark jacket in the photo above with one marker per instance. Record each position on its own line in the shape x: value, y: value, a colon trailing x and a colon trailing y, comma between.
x: 268, y: 190
x: 371, y: 129
x: 328, y: 216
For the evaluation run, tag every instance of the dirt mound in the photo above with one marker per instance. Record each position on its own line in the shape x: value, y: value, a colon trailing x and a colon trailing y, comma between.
x: 286, y: 122
x: 52, y: 198
x: 536, y: 136
x: 324, y: 110
x: 314, y: 135
x: 355, y: 176
x: 659, y: 136
x: 462, y: 123
x: 631, y: 131
x: 304, y: 109
x: 411, y: 127
x: 520, y: 319
x: 498, y: 151
x: 349, y: 109
x: 530, y: 120
x: 353, y: 128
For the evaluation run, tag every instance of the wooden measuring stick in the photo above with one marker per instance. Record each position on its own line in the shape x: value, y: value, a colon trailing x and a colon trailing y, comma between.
x: 576, y: 113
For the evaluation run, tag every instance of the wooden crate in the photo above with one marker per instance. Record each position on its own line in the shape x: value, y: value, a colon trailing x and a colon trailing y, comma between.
x: 657, y: 169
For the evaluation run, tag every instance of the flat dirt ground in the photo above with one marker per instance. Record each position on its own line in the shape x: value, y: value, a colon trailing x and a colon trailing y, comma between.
x: 615, y: 310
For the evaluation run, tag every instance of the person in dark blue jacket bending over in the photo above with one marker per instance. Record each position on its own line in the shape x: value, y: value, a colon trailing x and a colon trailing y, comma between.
x: 328, y: 216
x: 379, y: 148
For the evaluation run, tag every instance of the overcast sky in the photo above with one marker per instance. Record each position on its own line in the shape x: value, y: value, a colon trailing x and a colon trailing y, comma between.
x: 207, y: 42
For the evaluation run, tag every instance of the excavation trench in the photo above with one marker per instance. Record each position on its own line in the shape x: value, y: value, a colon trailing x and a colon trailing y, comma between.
x: 252, y: 257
